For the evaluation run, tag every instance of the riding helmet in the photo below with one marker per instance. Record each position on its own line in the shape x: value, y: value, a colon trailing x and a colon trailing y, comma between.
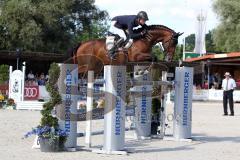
x: 142, y: 15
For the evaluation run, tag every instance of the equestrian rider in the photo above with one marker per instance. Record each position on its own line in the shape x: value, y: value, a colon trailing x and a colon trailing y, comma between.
x: 126, y: 23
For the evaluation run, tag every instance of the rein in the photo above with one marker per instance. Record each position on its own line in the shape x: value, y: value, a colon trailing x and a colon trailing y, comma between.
x: 149, y: 38
x: 168, y: 42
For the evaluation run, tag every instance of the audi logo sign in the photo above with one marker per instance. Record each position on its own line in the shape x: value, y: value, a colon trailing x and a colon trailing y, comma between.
x: 31, y: 92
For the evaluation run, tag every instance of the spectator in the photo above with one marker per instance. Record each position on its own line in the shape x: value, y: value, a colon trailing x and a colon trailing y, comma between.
x: 198, y: 87
x: 33, y: 82
x: 37, y: 77
x: 41, y: 81
x: 228, y: 85
x: 218, y: 80
x: 30, y: 76
x: 211, y: 80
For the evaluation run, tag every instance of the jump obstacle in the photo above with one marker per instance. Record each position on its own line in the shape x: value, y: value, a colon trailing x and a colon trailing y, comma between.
x: 114, y: 117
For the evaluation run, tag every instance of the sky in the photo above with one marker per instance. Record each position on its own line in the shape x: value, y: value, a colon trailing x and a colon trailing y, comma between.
x: 179, y: 15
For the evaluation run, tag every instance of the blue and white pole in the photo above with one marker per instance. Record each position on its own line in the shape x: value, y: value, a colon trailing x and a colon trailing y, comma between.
x: 68, y: 88
x: 143, y: 103
x: 114, y: 117
x: 183, y: 103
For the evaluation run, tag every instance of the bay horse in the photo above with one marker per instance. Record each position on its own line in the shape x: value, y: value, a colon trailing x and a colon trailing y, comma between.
x: 92, y: 54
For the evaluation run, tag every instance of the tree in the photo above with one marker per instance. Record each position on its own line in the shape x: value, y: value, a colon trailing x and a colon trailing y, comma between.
x: 178, y: 53
x: 190, y: 42
x: 158, y: 52
x: 4, y: 73
x: 50, y: 26
x: 210, y: 46
x: 227, y: 34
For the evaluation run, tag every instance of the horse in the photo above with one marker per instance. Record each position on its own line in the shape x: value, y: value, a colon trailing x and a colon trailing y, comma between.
x: 92, y: 54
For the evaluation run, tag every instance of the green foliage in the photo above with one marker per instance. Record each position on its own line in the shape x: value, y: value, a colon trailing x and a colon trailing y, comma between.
x: 48, y: 26
x: 227, y: 35
x: 178, y: 53
x: 97, y: 30
x: 190, y: 42
x: 210, y: 46
x: 54, y: 73
x: 4, y: 73
x: 157, y: 51
x: 47, y: 119
x: 49, y: 130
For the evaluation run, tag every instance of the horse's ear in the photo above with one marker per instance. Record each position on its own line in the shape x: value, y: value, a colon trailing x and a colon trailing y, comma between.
x: 179, y: 34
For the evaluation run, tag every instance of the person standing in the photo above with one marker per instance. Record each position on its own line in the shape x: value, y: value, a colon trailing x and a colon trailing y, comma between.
x: 30, y: 76
x: 228, y: 86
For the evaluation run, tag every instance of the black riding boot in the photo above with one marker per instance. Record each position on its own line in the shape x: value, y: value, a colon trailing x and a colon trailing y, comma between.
x: 114, y: 49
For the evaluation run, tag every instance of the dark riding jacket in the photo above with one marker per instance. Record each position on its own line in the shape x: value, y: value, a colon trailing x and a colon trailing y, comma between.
x: 127, y: 23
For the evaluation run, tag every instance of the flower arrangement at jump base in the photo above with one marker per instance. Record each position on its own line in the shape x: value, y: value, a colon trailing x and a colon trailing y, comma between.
x: 10, y: 104
x: 51, y: 137
x: 6, y: 103
x: 2, y: 98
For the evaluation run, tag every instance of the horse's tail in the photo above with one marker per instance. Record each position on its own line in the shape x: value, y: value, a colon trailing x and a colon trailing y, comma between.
x: 73, y: 53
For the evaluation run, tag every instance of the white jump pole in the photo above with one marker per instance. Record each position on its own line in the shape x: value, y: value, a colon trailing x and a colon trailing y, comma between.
x: 89, y: 108
x: 163, y: 104
x: 9, y: 85
x: 143, y: 104
x: 23, y: 83
x: 68, y: 88
x: 168, y: 101
x: 182, y: 123
x: 114, y: 110
x: 114, y: 117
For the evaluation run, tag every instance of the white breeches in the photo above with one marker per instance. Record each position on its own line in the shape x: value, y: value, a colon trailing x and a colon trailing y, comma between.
x: 115, y: 30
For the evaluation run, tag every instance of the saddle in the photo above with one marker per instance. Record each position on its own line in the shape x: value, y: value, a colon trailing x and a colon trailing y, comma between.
x: 116, y: 36
x: 114, y: 44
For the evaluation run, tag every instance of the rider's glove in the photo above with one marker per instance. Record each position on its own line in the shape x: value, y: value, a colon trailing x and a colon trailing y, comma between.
x: 144, y: 32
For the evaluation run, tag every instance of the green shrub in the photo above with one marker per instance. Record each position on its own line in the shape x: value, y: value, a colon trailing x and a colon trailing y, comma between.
x: 51, y: 86
x: 4, y: 73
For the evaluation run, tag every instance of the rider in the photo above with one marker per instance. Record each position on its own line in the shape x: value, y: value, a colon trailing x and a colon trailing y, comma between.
x: 126, y: 23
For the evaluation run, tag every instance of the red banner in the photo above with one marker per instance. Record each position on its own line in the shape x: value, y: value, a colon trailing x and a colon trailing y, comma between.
x: 31, y: 92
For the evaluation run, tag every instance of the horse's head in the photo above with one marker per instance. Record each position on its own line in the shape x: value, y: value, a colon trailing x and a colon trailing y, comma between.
x: 168, y: 37
x: 170, y: 46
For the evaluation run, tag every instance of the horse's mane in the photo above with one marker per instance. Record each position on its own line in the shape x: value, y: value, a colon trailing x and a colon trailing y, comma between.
x: 155, y: 27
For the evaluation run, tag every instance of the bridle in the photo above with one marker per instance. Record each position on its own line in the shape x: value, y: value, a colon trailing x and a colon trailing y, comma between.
x: 168, y: 42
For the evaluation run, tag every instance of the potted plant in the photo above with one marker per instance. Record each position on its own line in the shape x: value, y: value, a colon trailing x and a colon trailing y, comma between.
x: 51, y: 137
x: 10, y: 104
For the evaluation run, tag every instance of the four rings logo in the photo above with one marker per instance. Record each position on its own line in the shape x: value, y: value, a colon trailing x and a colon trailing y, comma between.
x: 31, y: 92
